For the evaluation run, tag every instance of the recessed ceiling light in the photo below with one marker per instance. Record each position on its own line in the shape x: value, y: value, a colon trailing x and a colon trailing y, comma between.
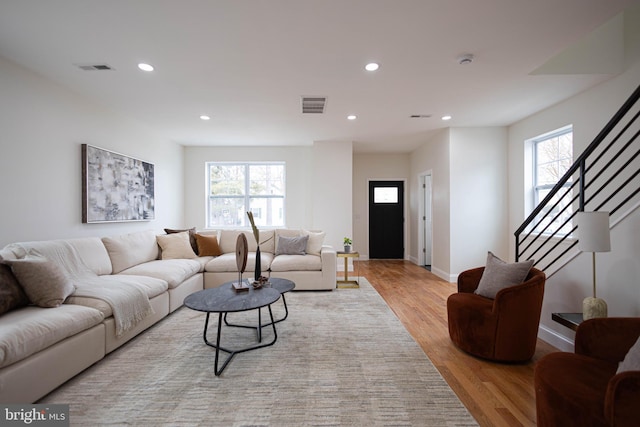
x: 205, y: 117
x: 372, y: 66
x: 352, y: 117
x: 446, y: 117
x: 145, y: 67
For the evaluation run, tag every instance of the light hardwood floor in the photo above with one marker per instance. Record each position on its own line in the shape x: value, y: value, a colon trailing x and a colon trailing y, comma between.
x: 495, y: 394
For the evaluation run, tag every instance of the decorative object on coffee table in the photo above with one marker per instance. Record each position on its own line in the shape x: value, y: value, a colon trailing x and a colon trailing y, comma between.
x: 242, y: 250
x: 593, y: 236
x: 259, y: 279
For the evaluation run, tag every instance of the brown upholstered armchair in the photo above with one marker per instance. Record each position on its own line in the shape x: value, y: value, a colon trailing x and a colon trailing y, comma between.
x: 504, y: 329
x: 582, y: 388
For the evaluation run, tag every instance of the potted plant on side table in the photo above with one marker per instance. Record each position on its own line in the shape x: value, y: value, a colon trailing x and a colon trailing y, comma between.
x: 347, y: 244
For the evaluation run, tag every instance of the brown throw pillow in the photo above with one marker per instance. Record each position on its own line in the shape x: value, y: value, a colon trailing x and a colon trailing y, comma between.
x: 43, y: 281
x: 192, y: 236
x: 208, y: 245
x: 498, y: 275
x: 11, y: 293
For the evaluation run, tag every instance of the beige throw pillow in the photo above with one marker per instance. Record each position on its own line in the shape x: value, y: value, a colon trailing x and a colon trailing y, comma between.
x: 43, y: 281
x: 631, y: 361
x: 192, y: 236
x: 176, y: 246
x: 316, y: 239
x: 498, y: 275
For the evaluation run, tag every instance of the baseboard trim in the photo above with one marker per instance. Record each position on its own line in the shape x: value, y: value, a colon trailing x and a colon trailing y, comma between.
x: 557, y: 340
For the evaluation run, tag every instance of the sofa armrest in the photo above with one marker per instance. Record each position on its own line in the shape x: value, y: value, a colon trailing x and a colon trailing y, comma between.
x: 468, y: 280
x: 607, y: 338
x: 621, y: 399
x: 328, y: 257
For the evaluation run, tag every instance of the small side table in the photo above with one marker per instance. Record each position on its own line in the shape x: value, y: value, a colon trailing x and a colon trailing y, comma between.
x: 346, y: 283
x: 570, y: 320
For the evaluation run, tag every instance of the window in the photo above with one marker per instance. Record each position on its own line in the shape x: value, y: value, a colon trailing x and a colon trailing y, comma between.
x: 235, y: 188
x: 552, y: 157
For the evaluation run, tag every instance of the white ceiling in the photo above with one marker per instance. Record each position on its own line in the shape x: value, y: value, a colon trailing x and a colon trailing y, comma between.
x: 247, y: 63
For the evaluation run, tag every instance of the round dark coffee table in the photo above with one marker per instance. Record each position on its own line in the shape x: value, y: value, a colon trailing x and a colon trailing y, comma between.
x: 225, y: 299
x: 281, y: 285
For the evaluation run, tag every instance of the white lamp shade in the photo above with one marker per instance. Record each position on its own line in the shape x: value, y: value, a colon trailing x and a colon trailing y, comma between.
x: 593, y: 231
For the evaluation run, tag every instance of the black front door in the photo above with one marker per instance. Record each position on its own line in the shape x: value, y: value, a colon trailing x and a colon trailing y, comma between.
x: 386, y: 219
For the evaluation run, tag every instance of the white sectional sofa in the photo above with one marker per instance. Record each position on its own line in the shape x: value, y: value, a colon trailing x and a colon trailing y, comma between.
x: 115, y: 280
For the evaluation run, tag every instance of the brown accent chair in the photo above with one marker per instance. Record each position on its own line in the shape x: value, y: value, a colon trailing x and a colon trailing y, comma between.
x: 582, y: 388
x: 504, y: 329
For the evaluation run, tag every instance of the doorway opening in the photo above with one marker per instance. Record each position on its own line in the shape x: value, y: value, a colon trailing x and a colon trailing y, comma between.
x: 425, y: 227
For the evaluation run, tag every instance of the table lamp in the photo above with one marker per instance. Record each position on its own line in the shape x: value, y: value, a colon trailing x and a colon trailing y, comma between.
x: 593, y: 236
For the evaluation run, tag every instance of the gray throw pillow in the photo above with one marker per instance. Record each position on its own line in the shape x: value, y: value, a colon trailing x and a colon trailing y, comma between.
x: 11, y: 293
x: 498, y: 275
x: 631, y: 361
x: 292, y: 245
x: 44, y: 282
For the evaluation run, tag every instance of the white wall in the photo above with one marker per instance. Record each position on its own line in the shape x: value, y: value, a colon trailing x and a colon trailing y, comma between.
x: 376, y: 167
x: 478, y: 187
x: 42, y: 128
x: 332, y: 190
x: 618, y: 271
x: 433, y: 156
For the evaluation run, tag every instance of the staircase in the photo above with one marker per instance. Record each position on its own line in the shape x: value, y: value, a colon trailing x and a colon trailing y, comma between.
x: 604, y: 178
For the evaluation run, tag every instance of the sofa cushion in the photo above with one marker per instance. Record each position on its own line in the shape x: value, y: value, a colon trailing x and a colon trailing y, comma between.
x: 228, y: 239
x: 296, y: 263
x: 192, y: 236
x: 11, y: 293
x: 90, y: 250
x: 44, y: 283
x: 498, y: 275
x: 31, y: 329
x: 176, y: 246
x: 314, y: 244
x: 172, y: 271
x: 631, y: 361
x: 208, y: 245
x: 227, y: 262
x: 292, y: 245
x: 132, y: 249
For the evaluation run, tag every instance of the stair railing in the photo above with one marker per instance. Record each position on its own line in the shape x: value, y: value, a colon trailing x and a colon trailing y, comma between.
x: 603, y: 178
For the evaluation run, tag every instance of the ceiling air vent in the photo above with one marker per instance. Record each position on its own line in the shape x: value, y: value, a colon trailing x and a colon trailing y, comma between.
x: 313, y: 104
x: 94, y: 67
x: 420, y: 116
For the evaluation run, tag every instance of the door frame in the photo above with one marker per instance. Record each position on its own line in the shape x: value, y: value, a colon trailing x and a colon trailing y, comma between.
x: 421, y: 213
x: 405, y: 224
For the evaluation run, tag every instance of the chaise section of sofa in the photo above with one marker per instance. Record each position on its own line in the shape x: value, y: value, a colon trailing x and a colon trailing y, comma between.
x: 41, y: 348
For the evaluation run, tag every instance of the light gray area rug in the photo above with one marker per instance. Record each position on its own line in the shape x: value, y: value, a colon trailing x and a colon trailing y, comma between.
x: 341, y: 358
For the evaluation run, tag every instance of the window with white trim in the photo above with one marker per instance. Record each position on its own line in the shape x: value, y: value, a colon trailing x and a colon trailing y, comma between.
x: 234, y: 188
x: 552, y: 157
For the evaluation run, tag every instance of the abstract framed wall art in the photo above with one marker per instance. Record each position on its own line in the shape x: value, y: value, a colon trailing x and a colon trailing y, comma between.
x: 115, y: 187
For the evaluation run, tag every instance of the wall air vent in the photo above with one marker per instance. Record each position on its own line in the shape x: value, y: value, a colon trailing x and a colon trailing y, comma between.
x: 313, y: 104
x: 94, y: 67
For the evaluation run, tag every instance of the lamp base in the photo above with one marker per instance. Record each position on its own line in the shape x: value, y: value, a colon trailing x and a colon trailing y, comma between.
x: 593, y: 307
